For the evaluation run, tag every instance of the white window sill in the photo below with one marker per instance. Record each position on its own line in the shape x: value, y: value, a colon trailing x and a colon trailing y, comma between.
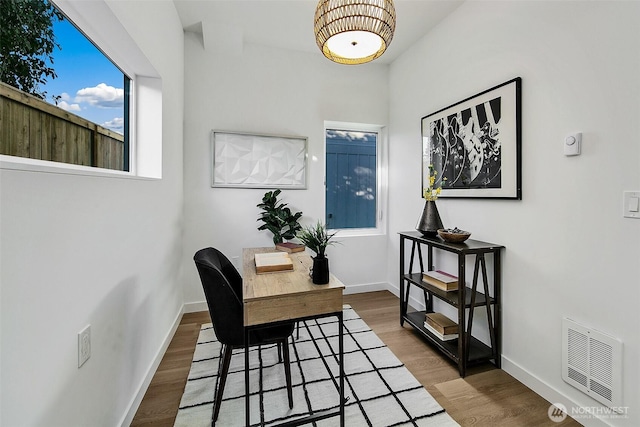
x: 358, y: 232
x: 44, y: 166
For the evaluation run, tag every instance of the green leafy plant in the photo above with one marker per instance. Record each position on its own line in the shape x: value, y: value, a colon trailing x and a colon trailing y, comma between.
x: 278, y: 218
x: 317, y: 238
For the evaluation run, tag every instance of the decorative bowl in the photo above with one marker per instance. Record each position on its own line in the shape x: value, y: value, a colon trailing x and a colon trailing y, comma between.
x: 453, y: 235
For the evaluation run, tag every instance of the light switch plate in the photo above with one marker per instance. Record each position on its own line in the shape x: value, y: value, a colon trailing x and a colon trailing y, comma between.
x: 84, y: 345
x: 631, y: 204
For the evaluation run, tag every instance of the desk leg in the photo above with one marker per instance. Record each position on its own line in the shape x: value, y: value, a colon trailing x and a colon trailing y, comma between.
x: 246, y: 377
x: 402, y: 306
x: 341, y: 358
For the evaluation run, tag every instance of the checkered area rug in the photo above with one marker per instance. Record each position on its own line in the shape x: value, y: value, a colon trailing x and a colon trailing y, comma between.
x: 380, y: 390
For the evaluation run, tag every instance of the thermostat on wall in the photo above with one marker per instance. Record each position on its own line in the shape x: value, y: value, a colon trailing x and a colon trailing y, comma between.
x: 572, y: 144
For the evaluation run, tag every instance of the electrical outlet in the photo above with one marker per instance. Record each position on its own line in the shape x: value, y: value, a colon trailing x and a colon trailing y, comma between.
x: 84, y: 345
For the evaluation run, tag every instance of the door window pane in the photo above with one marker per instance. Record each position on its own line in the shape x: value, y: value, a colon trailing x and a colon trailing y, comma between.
x: 351, y: 179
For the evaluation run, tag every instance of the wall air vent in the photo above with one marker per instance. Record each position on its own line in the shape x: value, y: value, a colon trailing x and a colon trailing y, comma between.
x: 592, y: 363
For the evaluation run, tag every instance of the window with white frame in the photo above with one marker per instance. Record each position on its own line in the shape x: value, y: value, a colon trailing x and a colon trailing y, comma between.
x: 63, y: 99
x: 353, y: 180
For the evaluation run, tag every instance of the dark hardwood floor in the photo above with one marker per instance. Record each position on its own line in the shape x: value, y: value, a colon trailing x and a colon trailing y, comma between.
x: 485, y: 397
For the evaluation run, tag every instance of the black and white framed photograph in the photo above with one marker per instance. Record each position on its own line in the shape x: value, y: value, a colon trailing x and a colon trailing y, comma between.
x: 249, y: 160
x: 475, y: 145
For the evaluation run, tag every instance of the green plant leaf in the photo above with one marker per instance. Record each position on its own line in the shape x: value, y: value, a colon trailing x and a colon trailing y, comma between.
x: 316, y: 238
x: 277, y: 217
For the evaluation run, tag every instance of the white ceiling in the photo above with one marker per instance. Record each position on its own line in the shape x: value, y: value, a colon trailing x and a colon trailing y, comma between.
x: 288, y: 24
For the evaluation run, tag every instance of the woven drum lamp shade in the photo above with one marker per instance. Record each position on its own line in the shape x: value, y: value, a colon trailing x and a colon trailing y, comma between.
x: 354, y: 31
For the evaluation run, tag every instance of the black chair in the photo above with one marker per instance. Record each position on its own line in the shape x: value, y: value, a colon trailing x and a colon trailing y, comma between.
x: 223, y: 289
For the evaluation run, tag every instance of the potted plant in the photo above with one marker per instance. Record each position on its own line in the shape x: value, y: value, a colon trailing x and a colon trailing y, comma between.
x: 430, y: 222
x: 317, y: 239
x: 278, y: 218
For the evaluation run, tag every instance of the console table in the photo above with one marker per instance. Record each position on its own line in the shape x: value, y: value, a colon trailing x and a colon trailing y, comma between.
x: 466, y: 349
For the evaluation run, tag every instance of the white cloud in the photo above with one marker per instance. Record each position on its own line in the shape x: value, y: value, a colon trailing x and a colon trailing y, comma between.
x: 116, y: 124
x: 65, y: 96
x: 101, y: 96
x: 64, y: 105
x: 349, y: 135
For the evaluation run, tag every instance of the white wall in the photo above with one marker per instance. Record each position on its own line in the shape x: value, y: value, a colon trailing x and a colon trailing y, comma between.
x: 83, y: 249
x: 569, y: 251
x: 274, y: 91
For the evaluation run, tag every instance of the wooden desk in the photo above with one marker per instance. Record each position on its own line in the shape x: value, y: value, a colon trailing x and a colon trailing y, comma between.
x: 289, y: 296
x: 271, y: 297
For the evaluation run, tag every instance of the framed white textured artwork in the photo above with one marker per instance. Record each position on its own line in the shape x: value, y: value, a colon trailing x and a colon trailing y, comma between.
x: 251, y: 160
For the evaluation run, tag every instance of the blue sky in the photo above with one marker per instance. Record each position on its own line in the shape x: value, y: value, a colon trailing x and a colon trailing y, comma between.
x: 88, y: 83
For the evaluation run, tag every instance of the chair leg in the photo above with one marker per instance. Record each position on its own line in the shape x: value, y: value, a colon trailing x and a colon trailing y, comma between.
x: 279, y: 345
x: 287, y: 370
x: 226, y: 360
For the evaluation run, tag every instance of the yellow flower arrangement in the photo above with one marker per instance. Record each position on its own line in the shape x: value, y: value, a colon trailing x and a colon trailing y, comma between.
x: 431, y: 193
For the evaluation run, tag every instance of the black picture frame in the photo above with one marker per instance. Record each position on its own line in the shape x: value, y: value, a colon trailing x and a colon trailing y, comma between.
x: 475, y: 145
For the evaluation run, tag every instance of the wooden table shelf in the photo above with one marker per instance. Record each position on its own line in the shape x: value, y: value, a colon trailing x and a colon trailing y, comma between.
x: 450, y: 297
x: 478, y: 351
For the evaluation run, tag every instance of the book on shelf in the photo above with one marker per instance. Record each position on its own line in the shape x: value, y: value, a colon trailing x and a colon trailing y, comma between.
x: 442, y: 337
x: 441, y: 280
x: 272, y: 262
x: 289, y: 247
x: 441, y: 323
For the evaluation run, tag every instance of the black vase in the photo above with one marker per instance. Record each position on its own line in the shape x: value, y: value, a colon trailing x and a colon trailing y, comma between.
x: 430, y: 221
x: 320, y: 273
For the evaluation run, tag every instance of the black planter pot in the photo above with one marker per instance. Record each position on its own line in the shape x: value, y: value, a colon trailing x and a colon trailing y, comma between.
x: 430, y: 221
x: 320, y: 273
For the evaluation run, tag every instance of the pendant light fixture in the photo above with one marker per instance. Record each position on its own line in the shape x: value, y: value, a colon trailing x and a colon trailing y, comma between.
x: 354, y: 31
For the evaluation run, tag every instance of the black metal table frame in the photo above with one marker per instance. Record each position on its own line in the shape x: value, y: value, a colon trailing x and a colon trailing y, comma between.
x: 479, y: 267
x: 313, y: 417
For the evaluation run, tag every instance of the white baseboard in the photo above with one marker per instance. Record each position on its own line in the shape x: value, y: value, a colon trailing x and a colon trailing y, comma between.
x: 548, y: 392
x: 365, y: 287
x: 413, y: 302
x: 194, y: 307
x: 144, y: 385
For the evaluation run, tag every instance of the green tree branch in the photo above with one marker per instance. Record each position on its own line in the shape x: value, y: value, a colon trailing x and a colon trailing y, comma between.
x: 27, y: 42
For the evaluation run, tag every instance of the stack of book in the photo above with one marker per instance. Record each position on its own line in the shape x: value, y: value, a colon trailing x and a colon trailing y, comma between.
x: 273, y: 262
x: 289, y: 247
x: 441, y: 326
x: 441, y: 280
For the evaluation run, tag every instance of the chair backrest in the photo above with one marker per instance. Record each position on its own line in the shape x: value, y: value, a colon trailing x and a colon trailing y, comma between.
x: 222, y: 286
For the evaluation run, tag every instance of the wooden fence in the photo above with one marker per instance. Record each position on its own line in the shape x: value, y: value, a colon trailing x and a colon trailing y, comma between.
x: 351, y: 173
x: 32, y: 128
